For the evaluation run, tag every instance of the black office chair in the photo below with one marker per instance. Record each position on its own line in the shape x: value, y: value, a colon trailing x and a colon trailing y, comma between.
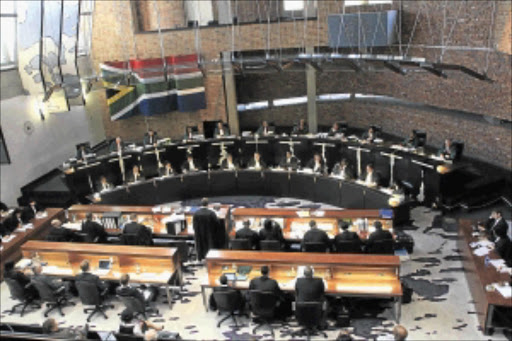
x: 382, y: 247
x: 128, y: 337
x: 420, y: 138
x: 315, y: 247
x: 229, y: 302
x: 184, y: 255
x: 263, y: 306
x: 136, y: 306
x: 240, y: 244
x: 22, y: 294
x: 309, y: 316
x: 270, y: 245
x: 459, y: 149
x: 54, y: 299
x: 348, y: 246
x: 90, y: 295
x: 129, y: 239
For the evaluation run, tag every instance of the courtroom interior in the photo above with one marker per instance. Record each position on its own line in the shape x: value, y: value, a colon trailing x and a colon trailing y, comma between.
x: 256, y: 170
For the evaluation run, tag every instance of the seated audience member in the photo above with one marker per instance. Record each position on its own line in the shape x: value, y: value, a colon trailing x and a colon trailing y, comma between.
x: 166, y: 170
x: 30, y: 211
x: 309, y: 288
x: 315, y: 235
x: 3, y: 207
x: 317, y: 164
x: 256, y: 162
x: 378, y: 235
x: 271, y: 231
x: 86, y: 276
x: 400, y: 333
x: 82, y: 151
x: 221, y: 130
x: 345, y: 234
x: 135, y: 176
x: 223, y: 280
x: 371, y: 178
x: 22, y: 279
x: 301, y: 128
x: 334, y: 130
x: 447, y: 151
x: 117, y: 146
x: 189, y: 134
x: 503, y: 245
x: 228, y: 163
x: 58, y: 233
x: 126, y: 290
x: 369, y: 136
x: 264, y: 129
x: 94, y: 231
x: 247, y: 233
x: 144, y: 235
x: 132, y: 326
x: 150, y: 138
x: 267, y: 284
x: 54, y: 284
x: 410, y: 142
x: 290, y: 161
x: 104, y: 185
x: 343, y: 170
x: 51, y: 328
x: 13, y: 221
x: 190, y: 165
x: 495, y: 223
x: 3, y: 230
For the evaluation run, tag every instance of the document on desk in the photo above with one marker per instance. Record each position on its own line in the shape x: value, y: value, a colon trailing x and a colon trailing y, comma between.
x: 73, y: 226
x: 55, y: 270
x: 481, y: 251
x: 504, y: 290
x: 7, y: 239
x: 481, y: 243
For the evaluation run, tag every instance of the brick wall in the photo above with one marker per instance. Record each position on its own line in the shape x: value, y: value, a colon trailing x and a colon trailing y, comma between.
x: 468, y: 24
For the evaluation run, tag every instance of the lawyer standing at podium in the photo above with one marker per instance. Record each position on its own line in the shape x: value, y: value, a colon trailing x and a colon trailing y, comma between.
x: 206, y: 230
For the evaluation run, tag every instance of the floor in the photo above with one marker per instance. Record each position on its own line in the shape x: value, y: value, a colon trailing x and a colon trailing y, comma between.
x: 441, y: 307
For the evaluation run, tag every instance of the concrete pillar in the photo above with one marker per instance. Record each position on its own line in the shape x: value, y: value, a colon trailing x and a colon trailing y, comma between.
x: 230, y: 93
x: 311, y: 93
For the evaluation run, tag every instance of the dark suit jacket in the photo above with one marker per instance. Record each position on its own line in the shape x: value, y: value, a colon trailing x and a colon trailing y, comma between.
x: 366, y: 136
x: 11, y: 222
x: 61, y: 234
x: 3, y: 207
x: 128, y: 291
x: 450, y: 154
x: 349, y: 174
x: 311, y: 164
x: 261, y: 129
x: 93, y: 231
x: 346, y: 235
x: 315, y: 236
x: 493, y: 228
x: 273, y: 234
x: 113, y: 146
x: 52, y: 283
x: 130, y: 178
x: 378, y: 235
x: 224, y: 164
x: 504, y: 247
x: 185, y: 166
x: 251, y: 235
x: 217, y: 131
x: 27, y: 214
x: 333, y: 132
x: 18, y: 276
x: 375, y: 177
x: 3, y: 230
x: 163, y: 172
x: 293, y: 164
x: 89, y: 277
x: 79, y: 155
x: 299, y: 131
x: 148, y: 140
x: 133, y: 228
x: 309, y: 289
x: 252, y: 163
x: 264, y: 283
x: 208, y: 231
x: 99, y: 186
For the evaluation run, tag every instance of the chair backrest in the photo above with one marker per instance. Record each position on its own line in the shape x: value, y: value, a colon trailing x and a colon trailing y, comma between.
x: 183, y: 250
x: 270, y: 245
x: 229, y: 300
x: 88, y: 292
x: 17, y: 291
x: 420, y: 138
x: 126, y: 329
x: 132, y: 303
x: 240, y: 244
x: 308, y: 314
x: 348, y: 246
x: 45, y: 292
x: 263, y: 303
x: 128, y: 337
x: 314, y: 247
x: 459, y: 149
x: 129, y: 239
x: 383, y: 247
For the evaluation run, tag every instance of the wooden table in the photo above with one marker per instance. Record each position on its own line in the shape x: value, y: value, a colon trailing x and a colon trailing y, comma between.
x: 144, y: 265
x: 290, y: 218
x: 41, y: 227
x: 479, y: 276
x: 374, y: 276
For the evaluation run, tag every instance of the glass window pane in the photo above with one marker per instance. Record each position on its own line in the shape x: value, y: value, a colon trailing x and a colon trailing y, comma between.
x: 8, y: 40
x: 293, y: 5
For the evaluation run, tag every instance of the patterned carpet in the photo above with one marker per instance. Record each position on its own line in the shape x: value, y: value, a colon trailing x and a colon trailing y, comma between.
x: 441, y: 307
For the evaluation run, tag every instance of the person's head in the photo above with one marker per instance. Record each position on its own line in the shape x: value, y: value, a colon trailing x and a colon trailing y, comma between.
x: 135, y: 169
x: 344, y: 226
x: 335, y: 126
x: 88, y: 216
x: 247, y: 223
x: 223, y: 280
x: 56, y: 223
x: 344, y: 335
x: 496, y: 214
x: 118, y: 140
x: 37, y: 269
x: 230, y: 157
x: 448, y: 143
x: 126, y: 316
x: 371, y: 130
x: 378, y: 225
x: 312, y: 224
x: 8, y: 266
x: 257, y: 156
x: 308, y: 272
x: 103, y: 179
x: 167, y: 164
x: 190, y: 157
x: 302, y: 122
x: 133, y: 217
x: 288, y: 154
x: 125, y: 279
x: 204, y: 202
x: 189, y: 130
x: 151, y: 132
x: 220, y: 125
x: 264, y: 270
x: 17, y: 212
x: 344, y: 162
x: 317, y: 157
x: 400, y: 333
x: 411, y: 135
x: 50, y: 326
x: 32, y: 202
x: 369, y: 168
x: 84, y: 265
x: 151, y: 335
x: 265, y: 124
x: 268, y: 225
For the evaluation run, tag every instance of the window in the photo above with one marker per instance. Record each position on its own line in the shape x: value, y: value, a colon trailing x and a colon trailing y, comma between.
x: 366, y: 2
x: 85, y: 27
x: 293, y: 5
x: 8, y: 23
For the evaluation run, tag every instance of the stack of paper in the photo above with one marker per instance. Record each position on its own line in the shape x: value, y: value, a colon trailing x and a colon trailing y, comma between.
x: 8, y: 238
x: 504, y: 290
x: 481, y: 251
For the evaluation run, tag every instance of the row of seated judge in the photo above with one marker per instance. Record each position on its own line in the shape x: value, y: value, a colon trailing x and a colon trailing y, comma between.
x: 496, y: 230
x: 19, y: 216
x: 270, y: 237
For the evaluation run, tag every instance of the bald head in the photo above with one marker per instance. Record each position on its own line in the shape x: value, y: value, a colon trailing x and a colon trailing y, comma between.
x: 308, y: 272
x: 400, y: 333
x: 56, y: 223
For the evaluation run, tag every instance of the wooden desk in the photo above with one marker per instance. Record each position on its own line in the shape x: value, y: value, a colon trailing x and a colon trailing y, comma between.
x: 375, y: 276
x: 295, y: 221
x: 144, y: 265
x: 147, y: 214
x: 479, y: 276
x: 41, y: 227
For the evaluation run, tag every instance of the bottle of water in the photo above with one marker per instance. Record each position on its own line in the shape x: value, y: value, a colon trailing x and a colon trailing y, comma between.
x: 486, y: 261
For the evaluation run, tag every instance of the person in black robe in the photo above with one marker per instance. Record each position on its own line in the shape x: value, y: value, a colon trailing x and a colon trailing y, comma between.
x: 206, y: 227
